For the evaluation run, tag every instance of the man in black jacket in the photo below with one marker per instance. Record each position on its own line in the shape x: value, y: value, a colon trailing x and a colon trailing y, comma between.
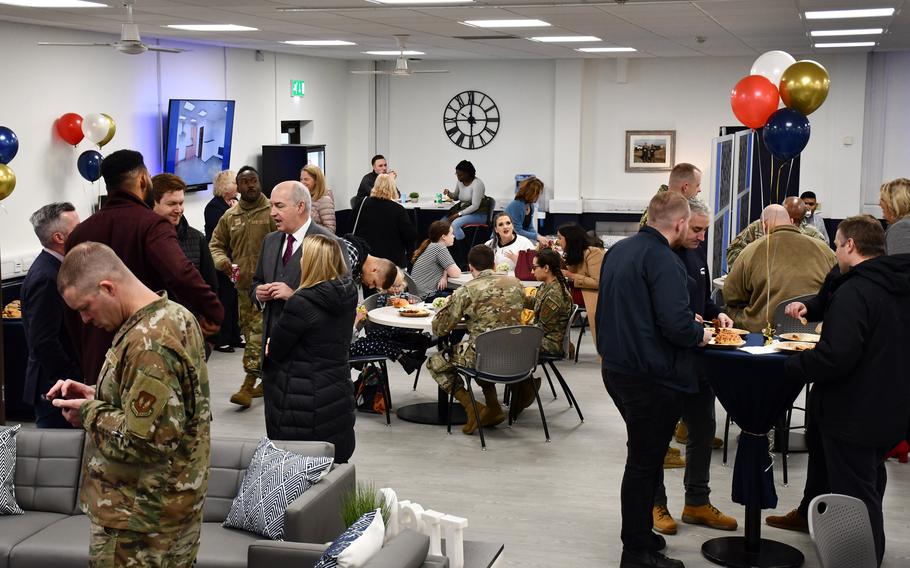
x: 380, y: 166
x: 646, y: 335
x: 861, y: 398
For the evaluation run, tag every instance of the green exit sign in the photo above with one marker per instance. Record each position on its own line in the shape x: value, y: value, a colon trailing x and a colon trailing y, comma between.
x: 296, y: 88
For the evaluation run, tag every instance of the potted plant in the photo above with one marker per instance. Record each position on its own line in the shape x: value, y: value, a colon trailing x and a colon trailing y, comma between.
x: 414, y: 196
x: 362, y: 499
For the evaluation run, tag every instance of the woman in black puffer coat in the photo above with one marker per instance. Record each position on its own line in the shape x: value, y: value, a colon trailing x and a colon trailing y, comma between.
x: 308, y: 390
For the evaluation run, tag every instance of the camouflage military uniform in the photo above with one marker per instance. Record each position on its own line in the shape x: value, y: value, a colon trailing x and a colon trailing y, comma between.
x: 755, y: 231
x: 644, y: 216
x: 237, y: 239
x: 487, y: 302
x: 552, y: 307
x: 145, y: 470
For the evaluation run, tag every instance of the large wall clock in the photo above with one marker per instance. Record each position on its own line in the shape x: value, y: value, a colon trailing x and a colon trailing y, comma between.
x: 471, y: 120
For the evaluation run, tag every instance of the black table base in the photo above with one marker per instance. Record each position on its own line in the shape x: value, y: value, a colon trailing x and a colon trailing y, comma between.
x: 731, y: 551
x: 430, y: 413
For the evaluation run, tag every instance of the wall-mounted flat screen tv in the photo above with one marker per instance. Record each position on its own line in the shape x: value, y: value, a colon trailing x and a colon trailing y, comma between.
x: 198, y: 142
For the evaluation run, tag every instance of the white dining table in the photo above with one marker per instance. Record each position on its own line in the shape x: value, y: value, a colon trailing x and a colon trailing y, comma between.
x: 389, y: 316
x: 466, y: 277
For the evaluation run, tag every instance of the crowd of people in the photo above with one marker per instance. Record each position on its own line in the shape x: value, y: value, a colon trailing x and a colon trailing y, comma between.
x: 121, y: 310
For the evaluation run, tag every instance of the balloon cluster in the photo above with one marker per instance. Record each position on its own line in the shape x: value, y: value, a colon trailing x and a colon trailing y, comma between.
x: 99, y: 128
x: 777, y: 76
x: 9, y: 147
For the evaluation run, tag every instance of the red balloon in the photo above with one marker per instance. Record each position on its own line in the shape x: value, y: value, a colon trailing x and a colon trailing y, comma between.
x: 754, y: 99
x: 69, y: 127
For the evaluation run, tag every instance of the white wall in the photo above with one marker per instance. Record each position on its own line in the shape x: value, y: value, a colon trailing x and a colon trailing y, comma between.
x: 42, y: 83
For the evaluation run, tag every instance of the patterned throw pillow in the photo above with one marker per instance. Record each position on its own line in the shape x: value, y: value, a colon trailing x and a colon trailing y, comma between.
x: 274, y: 479
x: 8, y: 505
x: 356, y: 545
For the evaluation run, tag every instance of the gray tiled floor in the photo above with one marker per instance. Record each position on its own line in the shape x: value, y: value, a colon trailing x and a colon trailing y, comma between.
x: 553, y: 505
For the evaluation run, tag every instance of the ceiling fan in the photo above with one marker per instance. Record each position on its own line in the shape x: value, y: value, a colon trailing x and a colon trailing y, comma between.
x: 401, y: 64
x: 129, y: 43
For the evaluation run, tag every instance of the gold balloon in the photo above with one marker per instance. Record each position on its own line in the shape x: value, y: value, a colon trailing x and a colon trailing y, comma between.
x: 7, y: 181
x: 804, y: 86
x: 110, y: 133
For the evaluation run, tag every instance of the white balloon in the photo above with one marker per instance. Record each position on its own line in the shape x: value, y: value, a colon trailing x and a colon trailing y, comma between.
x: 95, y: 126
x: 770, y: 64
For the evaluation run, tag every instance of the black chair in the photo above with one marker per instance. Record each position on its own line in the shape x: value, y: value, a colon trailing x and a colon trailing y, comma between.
x: 379, y: 361
x: 412, y: 289
x: 582, y: 316
x: 507, y: 355
x: 486, y: 224
x: 546, y: 360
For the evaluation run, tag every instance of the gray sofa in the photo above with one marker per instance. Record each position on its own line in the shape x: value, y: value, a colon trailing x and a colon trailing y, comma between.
x: 54, y: 532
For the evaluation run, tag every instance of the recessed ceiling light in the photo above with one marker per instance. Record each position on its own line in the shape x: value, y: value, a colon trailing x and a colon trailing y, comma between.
x: 563, y: 39
x: 833, y: 33
x: 319, y: 42
x: 189, y: 106
x: 407, y: 52
x: 847, y: 44
x: 211, y: 28
x: 506, y: 23
x: 838, y: 14
x: 421, y: 1
x: 605, y: 49
x: 203, y: 113
x: 53, y: 4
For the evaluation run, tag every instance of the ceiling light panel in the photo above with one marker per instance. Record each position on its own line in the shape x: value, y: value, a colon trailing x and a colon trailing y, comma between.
x: 564, y: 39
x: 606, y: 49
x: 391, y: 52
x: 420, y: 2
x: 506, y: 23
x: 847, y: 44
x: 53, y: 4
x: 840, y: 14
x: 835, y: 33
x: 320, y: 42
x: 211, y: 28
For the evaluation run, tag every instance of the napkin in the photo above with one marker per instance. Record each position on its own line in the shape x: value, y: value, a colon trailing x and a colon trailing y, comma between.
x: 761, y: 349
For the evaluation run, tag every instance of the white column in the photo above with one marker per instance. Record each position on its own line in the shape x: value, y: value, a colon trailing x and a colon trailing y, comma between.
x: 567, y: 103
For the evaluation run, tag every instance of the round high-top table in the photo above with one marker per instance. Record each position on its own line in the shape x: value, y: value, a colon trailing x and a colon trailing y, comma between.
x: 755, y: 392
x: 436, y: 413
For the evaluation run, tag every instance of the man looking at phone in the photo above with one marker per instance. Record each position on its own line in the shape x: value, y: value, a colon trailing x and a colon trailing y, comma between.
x: 380, y: 166
x: 145, y: 466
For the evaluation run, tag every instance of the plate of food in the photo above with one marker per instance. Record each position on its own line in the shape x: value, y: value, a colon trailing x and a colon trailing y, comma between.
x: 794, y: 346
x: 737, y: 331
x: 414, y: 311
x: 398, y: 302
x: 801, y: 337
x: 12, y: 310
x: 726, y: 339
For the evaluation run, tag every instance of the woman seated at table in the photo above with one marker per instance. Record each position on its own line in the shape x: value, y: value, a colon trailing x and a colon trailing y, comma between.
x: 308, y: 390
x: 506, y: 244
x: 407, y: 346
x: 473, y: 205
x: 583, y: 259
x: 323, y: 210
x: 433, y: 264
x: 523, y: 210
x: 383, y: 223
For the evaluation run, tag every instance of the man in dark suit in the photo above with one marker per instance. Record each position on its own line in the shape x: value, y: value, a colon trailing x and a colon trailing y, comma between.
x: 148, y: 245
x: 51, y: 355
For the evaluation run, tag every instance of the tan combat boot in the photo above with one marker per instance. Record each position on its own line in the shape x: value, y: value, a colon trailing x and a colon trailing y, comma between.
x: 464, y: 399
x: 492, y: 414
x: 244, y: 397
x: 257, y: 390
x: 709, y: 516
x: 663, y: 520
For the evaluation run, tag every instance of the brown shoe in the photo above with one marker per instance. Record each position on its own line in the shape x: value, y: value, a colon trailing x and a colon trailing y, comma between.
x: 257, y: 391
x: 672, y: 450
x: 682, y: 432
x: 673, y: 461
x: 792, y: 521
x: 709, y: 516
x: 663, y: 520
x: 244, y: 397
x: 717, y: 443
x: 464, y: 399
x: 491, y: 416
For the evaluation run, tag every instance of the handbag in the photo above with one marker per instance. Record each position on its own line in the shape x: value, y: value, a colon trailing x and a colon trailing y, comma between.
x: 359, y: 210
x: 524, y: 266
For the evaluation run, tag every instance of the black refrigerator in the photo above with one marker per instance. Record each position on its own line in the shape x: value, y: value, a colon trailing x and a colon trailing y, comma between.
x: 282, y: 162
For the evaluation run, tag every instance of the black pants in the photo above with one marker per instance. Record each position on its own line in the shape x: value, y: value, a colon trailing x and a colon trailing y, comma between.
x: 698, y: 414
x: 229, y: 334
x: 859, y: 472
x: 650, y: 412
x: 816, y: 469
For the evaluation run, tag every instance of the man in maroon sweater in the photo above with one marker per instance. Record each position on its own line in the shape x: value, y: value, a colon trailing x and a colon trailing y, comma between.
x: 147, y: 244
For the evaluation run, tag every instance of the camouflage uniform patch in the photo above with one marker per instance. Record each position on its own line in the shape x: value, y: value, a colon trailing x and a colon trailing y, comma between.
x: 552, y: 307
x: 251, y: 326
x: 487, y: 302
x: 146, y: 458
x: 113, y: 547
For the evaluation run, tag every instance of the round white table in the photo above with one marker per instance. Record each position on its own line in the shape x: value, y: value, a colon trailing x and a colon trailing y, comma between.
x: 446, y: 205
x: 467, y: 277
x: 422, y: 412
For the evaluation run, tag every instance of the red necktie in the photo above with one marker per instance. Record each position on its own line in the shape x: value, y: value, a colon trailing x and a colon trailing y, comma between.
x: 289, y: 251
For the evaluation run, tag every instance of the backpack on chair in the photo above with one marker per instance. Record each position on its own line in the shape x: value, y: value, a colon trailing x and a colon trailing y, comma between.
x: 368, y: 391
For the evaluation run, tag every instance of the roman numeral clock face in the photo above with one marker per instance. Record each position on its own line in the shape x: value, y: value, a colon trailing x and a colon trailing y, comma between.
x: 471, y: 120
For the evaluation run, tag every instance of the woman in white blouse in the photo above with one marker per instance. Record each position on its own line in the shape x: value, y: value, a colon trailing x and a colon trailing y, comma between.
x: 506, y: 243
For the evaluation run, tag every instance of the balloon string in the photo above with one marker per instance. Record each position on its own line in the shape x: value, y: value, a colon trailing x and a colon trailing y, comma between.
x: 3, y: 207
x: 756, y: 144
x: 789, y: 173
x: 777, y: 188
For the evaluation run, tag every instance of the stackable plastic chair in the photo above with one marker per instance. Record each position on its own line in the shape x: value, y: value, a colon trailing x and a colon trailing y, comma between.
x: 546, y: 360
x: 841, y: 531
x: 508, y: 356
x: 371, y: 303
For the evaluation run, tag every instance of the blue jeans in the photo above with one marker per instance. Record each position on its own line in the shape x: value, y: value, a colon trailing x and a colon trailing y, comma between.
x: 463, y: 220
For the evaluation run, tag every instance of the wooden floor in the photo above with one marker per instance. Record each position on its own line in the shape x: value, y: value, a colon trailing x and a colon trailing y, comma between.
x: 552, y: 504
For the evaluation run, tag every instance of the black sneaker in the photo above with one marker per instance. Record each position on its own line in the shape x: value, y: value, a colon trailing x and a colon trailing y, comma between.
x: 647, y: 559
x: 224, y: 348
x: 239, y: 344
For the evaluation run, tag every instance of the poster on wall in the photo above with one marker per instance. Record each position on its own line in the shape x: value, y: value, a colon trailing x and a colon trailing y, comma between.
x: 721, y: 195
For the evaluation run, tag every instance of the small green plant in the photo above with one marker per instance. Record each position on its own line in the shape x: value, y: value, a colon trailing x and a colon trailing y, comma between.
x: 414, y: 196
x: 361, y: 500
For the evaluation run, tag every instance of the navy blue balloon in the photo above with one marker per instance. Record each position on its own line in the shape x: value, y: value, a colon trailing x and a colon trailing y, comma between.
x: 9, y: 145
x: 786, y: 133
x: 89, y: 165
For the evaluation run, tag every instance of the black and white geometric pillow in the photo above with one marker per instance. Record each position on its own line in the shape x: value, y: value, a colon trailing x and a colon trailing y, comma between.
x: 274, y: 479
x: 8, y: 505
x: 355, y: 546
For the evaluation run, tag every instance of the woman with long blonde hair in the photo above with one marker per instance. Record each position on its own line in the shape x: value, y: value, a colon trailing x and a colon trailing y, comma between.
x: 323, y: 210
x: 895, y: 204
x: 308, y: 390
x: 384, y: 224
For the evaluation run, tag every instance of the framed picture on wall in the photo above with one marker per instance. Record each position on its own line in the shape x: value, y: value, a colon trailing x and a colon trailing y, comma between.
x: 650, y: 150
